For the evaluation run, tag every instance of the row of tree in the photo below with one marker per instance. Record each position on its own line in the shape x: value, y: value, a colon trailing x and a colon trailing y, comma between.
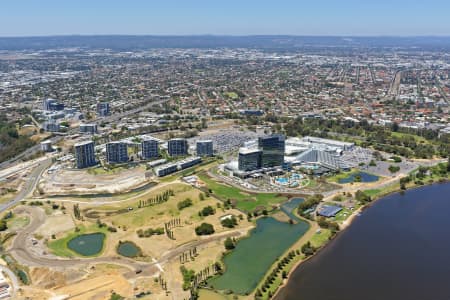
x: 158, y: 199
x: 185, y: 256
x: 270, y: 279
x: 150, y: 232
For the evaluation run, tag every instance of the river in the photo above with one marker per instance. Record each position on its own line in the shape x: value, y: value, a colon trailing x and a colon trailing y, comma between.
x: 399, y: 248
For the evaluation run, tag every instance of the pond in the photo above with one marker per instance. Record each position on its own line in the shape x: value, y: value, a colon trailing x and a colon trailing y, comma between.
x: 253, y: 256
x: 87, y: 244
x: 365, y: 177
x: 289, y: 207
x: 128, y: 249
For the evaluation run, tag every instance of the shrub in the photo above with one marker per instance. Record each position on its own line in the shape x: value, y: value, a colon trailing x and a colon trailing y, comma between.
x: 207, y: 211
x: 229, y: 244
x: 185, y: 203
x: 204, y: 229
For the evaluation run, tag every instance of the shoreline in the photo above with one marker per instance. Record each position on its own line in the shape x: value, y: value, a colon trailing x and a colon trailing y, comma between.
x: 347, y: 224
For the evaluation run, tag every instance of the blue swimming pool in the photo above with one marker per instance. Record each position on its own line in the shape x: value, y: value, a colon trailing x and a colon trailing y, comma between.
x: 282, y: 180
x: 293, y: 180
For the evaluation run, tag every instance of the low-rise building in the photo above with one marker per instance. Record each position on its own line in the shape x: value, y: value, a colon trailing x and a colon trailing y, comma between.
x: 46, y: 146
x: 88, y: 128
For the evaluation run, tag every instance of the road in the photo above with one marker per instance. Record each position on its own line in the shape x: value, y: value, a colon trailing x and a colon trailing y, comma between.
x: 14, y: 280
x: 29, y: 185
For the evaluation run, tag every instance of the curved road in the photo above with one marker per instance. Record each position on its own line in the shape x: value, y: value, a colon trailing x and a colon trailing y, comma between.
x: 29, y: 185
x: 13, y: 278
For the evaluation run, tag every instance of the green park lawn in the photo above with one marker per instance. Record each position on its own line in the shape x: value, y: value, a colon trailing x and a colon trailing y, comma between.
x: 418, y: 139
x: 245, y: 201
x: 342, y: 215
x: 99, y: 170
x: 320, y: 239
x: 232, y: 95
x: 373, y: 192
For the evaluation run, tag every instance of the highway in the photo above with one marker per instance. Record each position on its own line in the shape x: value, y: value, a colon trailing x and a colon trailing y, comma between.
x: 29, y: 185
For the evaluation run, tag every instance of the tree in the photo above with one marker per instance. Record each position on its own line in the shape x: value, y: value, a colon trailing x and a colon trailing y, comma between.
x: 324, y: 223
x: 229, y: 222
x: 362, y: 197
x: 229, y: 244
x: 258, y: 293
x: 308, y: 249
x: 188, y: 277
x: 3, y: 225
x: 207, y: 211
x: 394, y: 127
x: 393, y: 169
x: 311, y: 202
x: 204, y: 229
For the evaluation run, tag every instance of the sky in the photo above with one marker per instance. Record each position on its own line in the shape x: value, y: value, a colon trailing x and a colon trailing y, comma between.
x: 225, y: 17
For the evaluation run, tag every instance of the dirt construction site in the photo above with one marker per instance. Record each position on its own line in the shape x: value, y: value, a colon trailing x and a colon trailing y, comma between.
x: 94, y: 180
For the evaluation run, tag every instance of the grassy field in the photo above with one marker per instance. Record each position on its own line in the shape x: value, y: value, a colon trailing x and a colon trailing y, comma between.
x: 373, y: 192
x: 320, y: 239
x: 142, y: 216
x: 59, y: 247
x: 18, y: 222
x: 417, y: 138
x: 232, y: 95
x: 102, y: 171
x: 245, y: 201
x: 342, y: 215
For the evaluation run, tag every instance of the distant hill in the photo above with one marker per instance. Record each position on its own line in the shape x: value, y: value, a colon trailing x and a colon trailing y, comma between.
x: 130, y: 42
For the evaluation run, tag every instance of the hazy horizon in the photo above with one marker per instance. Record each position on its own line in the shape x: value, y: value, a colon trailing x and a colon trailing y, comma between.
x: 23, y: 18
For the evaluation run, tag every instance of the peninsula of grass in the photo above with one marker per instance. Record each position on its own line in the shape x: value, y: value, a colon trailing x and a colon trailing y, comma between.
x: 245, y: 201
x: 342, y: 175
x: 60, y: 246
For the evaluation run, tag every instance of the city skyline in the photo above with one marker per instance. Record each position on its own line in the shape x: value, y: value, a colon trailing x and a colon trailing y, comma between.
x: 328, y: 18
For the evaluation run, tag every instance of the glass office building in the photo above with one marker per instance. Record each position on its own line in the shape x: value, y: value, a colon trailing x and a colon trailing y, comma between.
x: 273, y: 148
